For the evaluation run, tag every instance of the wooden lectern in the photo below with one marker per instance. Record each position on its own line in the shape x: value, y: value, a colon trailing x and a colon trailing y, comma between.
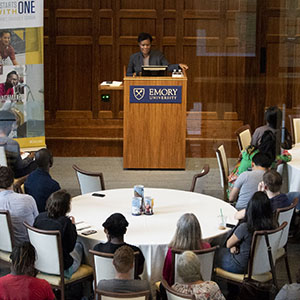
x: 154, y: 133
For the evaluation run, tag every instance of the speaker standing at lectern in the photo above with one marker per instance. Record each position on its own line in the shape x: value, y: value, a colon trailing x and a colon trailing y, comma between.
x: 147, y: 57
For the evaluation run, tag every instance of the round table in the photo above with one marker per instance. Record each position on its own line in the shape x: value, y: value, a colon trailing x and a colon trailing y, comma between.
x: 151, y: 233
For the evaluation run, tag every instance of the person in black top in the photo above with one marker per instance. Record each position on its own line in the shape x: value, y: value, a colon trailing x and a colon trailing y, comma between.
x: 146, y: 56
x: 39, y: 184
x: 54, y: 218
x: 115, y: 227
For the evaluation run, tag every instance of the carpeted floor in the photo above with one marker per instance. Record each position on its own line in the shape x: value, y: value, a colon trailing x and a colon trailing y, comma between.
x: 116, y: 177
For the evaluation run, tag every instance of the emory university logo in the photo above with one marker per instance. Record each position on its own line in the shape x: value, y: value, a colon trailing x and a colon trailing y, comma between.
x: 139, y: 93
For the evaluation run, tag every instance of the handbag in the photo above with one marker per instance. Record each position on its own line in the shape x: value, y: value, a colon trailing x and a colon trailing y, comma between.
x: 254, y: 290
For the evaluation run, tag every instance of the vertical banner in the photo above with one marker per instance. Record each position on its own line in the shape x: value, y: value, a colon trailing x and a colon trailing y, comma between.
x: 22, y: 69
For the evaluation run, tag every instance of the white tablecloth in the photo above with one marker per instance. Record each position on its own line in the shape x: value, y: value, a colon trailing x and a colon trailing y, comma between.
x: 150, y: 233
x: 293, y: 168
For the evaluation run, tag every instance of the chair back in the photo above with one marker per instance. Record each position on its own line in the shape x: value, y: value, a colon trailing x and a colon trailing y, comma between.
x: 3, y: 160
x: 104, y: 268
x: 223, y: 163
x: 206, y: 257
x: 296, y: 123
x: 285, y: 215
x: 6, y: 232
x: 104, y: 295
x: 19, y: 185
x: 243, y: 137
x: 174, y: 295
x: 204, y: 171
x: 265, y: 244
x: 47, y: 244
x: 295, y: 127
x: 89, y: 181
x: 223, y: 167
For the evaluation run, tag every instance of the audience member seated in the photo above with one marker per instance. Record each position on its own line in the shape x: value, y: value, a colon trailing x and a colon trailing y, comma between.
x: 54, y: 218
x: 259, y: 216
x: 188, y: 236
x: 290, y: 291
x: 22, y: 208
x: 39, y: 183
x: 273, y: 117
x: 115, y: 227
x: 188, y: 268
x: 20, y: 167
x: 271, y: 185
x: 123, y: 262
x: 21, y: 284
x: 267, y: 146
x: 246, y: 184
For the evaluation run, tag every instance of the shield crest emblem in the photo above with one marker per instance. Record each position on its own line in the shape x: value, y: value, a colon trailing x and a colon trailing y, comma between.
x: 139, y: 93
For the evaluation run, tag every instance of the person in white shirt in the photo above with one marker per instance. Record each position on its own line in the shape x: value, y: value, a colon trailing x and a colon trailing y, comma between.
x: 290, y: 291
x: 22, y: 207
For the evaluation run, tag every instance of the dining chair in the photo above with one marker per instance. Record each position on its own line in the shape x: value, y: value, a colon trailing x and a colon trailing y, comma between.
x: 285, y: 215
x: 105, y: 295
x: 206, y: 257
x: 3, y: 160
x: 103, y: 266
x: 89, y: 181
x: 49, y: 262
x: 295, y: 127
x: 223, y: 168
x: 6, y: 237
x: 243, y: 135
x: 174, y: 295
x: 265, y: 244
x: 18, y: 184
x: 203, y: 172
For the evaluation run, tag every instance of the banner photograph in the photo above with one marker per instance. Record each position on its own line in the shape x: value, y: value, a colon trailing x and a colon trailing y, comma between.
x: 22, y: 73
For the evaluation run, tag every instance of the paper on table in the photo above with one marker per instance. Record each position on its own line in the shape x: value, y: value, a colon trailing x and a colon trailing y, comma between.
x: 82, y: 225
x: 113, y: 83
x: 24, y: 155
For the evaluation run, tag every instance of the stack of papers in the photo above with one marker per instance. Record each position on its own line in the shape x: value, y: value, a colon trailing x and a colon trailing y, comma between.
x: 112, y: 83
x: 82, y: 225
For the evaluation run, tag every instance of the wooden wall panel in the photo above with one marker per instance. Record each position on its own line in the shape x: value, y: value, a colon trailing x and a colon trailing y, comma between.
x: 170, y: 53
x: 132, y: 27
x: 106, y: 27
x: 78, y: 4
x: 74, y: 87
x: 169, y: 4
x: 66, y: 27
x: 136, y: 4
x: 169, y: 26
x: 282, y: 39
x: 106, y: 4
x: 204, y: 5
x: 233, y: 5
x: 222, y: 41
x: 210, y: 27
